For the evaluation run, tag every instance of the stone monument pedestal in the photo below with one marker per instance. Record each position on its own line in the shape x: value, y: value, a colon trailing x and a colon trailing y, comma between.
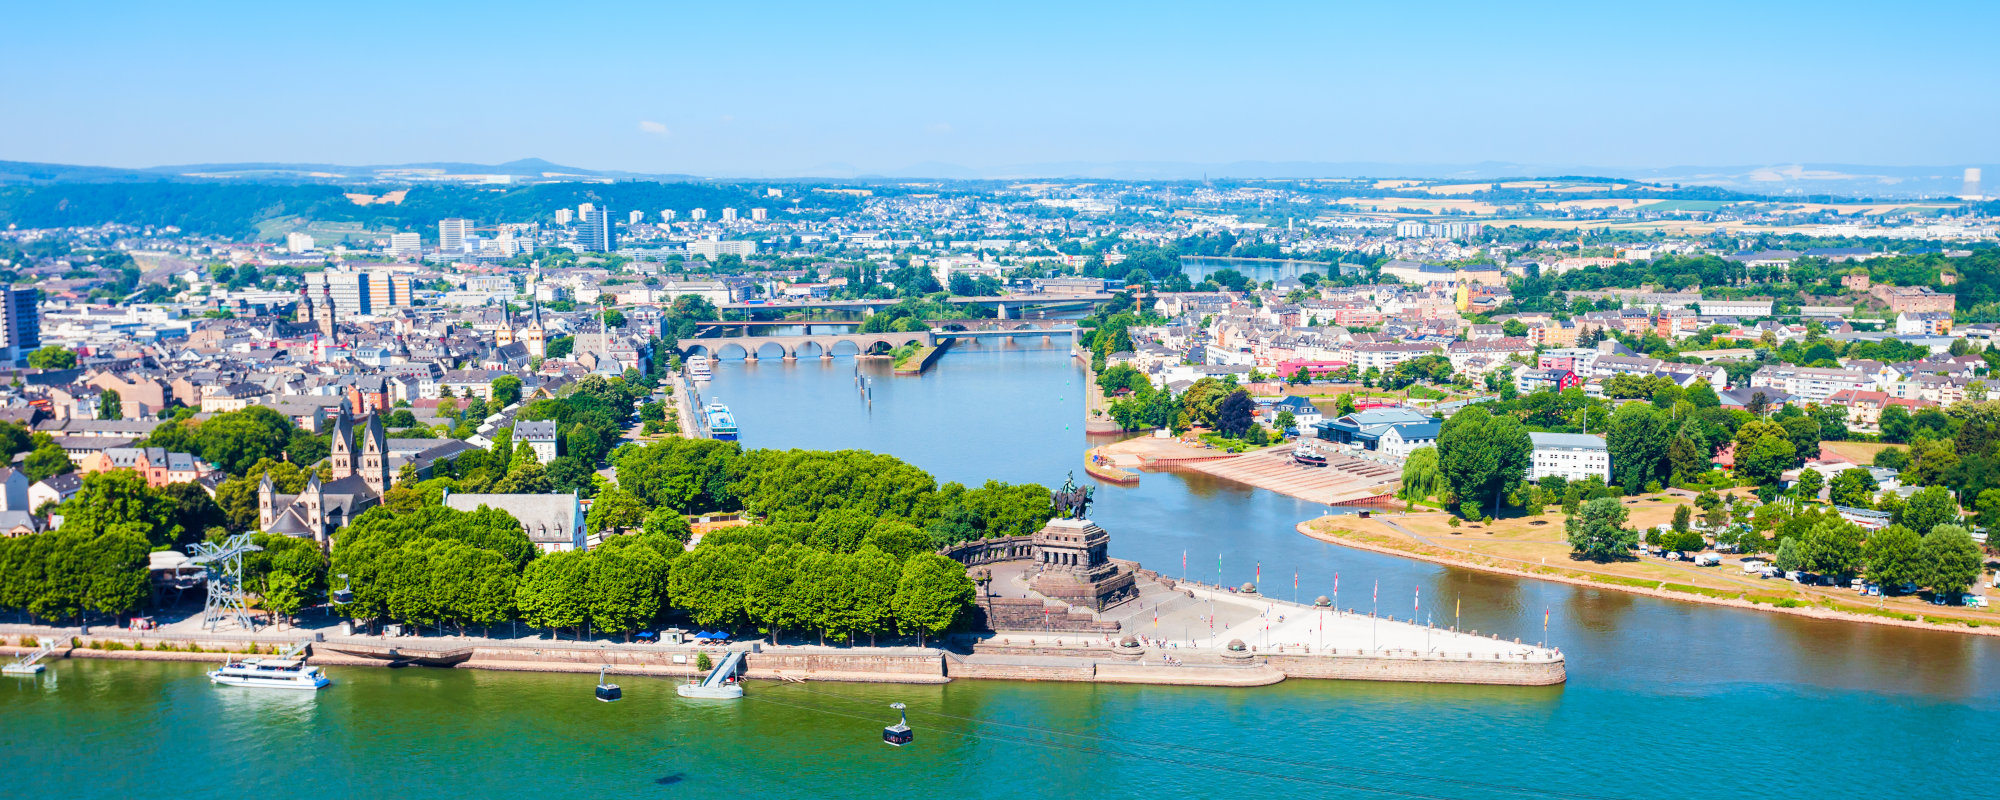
x: 1072, y: 565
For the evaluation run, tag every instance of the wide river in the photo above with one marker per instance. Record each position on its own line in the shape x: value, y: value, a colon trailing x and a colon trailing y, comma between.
x: 1665, y: 700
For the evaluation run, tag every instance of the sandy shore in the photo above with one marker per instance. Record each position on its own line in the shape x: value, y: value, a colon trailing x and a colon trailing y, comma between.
x: 1556, y: 575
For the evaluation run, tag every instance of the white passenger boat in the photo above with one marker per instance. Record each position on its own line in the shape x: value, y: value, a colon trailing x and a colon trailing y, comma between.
x: 698, y: 368
x: 271, y: 673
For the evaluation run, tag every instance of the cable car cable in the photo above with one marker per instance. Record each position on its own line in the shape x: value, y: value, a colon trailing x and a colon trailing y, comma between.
x: 1168, y: 761
x: 1247, y: 757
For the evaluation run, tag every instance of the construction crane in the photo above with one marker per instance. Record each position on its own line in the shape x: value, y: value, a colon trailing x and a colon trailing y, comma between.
x: 223, y: 562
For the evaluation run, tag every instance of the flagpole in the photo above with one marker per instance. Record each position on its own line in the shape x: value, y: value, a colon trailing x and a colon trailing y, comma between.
x: 1374, y: 619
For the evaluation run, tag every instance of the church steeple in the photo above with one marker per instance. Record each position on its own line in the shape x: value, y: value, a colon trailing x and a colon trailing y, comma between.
x: 375, y: 455
x: 341, y: 452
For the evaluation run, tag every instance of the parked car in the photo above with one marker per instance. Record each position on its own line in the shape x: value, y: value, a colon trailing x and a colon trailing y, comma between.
x: 1707, y: 559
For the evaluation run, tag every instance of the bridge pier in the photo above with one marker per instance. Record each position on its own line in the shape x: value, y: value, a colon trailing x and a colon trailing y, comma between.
x: 1002, y: 310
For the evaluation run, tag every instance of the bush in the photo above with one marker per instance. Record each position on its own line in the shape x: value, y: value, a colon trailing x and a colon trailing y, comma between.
x: 702, y: 662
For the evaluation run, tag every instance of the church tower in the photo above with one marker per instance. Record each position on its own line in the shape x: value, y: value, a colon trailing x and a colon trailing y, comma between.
x: 534, y: 335
x: 265, y: 499
x: 342, y: 450
x: 375, y: 455
x: 505, y: 336
x: 315, y: 502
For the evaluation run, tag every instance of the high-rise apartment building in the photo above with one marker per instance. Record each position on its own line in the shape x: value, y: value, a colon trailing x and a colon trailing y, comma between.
x: 565, y: 216
x: 406, y: 244
x: 729, y: 215
x: 296, y: 242
x: 698, y: 214
x: 594, y: 232
x: 759, y: 215
x: 635, y: 217
x: 1972, y: 190
x: 20, y: 323
x: 666, y: 215
x: 452, y: 233
x: 353, y: 293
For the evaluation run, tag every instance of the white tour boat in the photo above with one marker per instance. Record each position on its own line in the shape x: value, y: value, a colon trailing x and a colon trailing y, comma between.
x: 269, y: 673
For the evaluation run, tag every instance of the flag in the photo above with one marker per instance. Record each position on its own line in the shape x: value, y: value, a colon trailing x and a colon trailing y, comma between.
x: 1417, y: 605
x: 1260, y: 572
x: 1295, y: 579
x: 1375, y: 594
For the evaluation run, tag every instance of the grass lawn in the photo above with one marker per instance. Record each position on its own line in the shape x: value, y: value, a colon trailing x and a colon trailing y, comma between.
x: 1862, y: 453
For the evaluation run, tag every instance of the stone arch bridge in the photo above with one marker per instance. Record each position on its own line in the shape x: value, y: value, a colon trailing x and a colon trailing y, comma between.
x: 823, y: 345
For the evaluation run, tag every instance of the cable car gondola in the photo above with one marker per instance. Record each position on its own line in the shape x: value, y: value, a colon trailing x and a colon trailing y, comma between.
x: 607, y: 692
x: 898, y: 734
x: 345, y: 594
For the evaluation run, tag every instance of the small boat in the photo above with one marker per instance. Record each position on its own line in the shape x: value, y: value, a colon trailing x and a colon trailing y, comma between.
x: 273, y: 673
x: 721, y: 423
x: 1306, y: 455
x: 698, y: 368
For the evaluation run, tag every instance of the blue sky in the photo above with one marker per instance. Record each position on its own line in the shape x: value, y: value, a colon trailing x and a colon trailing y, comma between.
x: 778, y: 88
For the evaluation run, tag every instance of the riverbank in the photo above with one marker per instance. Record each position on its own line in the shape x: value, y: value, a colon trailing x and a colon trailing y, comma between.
x: 1387, y: 536
x: 1344, y: 480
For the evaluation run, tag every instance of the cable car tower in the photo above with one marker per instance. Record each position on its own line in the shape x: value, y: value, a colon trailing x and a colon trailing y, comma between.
x: 223, y: 562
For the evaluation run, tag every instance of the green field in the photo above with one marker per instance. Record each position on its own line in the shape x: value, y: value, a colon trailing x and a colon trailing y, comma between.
x: 1682, y: 205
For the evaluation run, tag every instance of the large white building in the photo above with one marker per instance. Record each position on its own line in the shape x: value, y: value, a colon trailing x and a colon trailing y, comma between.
x: 406, y: 244
x: 296, y: 242
x: 711, y: 248
x: 453, y: 235
x: 1571, y: 456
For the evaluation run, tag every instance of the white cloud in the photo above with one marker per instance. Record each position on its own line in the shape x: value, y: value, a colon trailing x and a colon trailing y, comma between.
x: 654, y: 128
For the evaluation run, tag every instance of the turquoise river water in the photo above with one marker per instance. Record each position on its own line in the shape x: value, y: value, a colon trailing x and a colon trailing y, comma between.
x: 1665, y: 700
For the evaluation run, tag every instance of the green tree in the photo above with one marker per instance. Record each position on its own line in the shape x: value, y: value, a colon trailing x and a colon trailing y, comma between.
x: 627, y: 586
x: 1808, y: 485
x: 1683, y: 518
x: 1895, y: 558
x: 1597, y: 531
x: 1895, y: 424
x: 47, y: 461
x: 1791, y: 556
x: 507, y: 390
x: 1853, y: 488
x: 708, y: 583
x: 1422, y: 477
x: 1482, y: 456
x: 1685, y: 460
x: 616, y: 510
x: 1638, y: 445
x: 1766, y: 459
x: 110, y: 405
x: 52, y: 357
x: 1833, y: 546
x: 692, y: 475
x: 1233, y: 415
x: 1930, y: 507
x: 1951, y: 561
x: 117, y: 500
x: 554, y: 591
x: 931, y: 595
x: 525, y: 478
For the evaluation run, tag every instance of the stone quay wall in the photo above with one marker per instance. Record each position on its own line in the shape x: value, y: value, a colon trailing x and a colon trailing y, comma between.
x: 1027, y: 614
x: 1412, y: 669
